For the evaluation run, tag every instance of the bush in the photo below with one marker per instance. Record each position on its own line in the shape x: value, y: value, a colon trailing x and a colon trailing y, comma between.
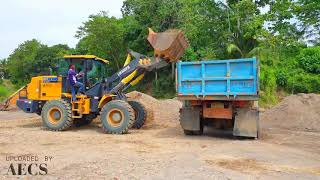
x: 164, y: 87
x: 309, y: 59
x: 3, y: 92
x: 304, y: 83
x: 268, y: 86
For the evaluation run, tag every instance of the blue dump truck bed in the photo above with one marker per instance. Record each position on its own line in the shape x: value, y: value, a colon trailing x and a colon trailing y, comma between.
x: 218, y: 79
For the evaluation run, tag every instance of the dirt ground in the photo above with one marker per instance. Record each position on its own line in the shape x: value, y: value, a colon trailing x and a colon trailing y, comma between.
x: 160, y: 150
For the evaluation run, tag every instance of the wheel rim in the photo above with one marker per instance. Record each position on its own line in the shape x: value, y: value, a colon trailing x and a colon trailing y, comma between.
x: 54, y: 115
x: 115, y: 117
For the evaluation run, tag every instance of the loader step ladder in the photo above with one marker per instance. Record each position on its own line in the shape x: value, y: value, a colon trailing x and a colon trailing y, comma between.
x: 77, y: 109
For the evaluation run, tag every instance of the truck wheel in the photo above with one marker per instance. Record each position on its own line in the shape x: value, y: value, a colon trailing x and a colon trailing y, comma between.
x: 140, y: 114
x: 195, y: 132
x: 85, y: 120
x: 117, y: 117
x: 190, y: 133
x: 56, y: 115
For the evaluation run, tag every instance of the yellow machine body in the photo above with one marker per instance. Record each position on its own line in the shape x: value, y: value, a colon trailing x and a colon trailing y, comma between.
x: 44, y: 88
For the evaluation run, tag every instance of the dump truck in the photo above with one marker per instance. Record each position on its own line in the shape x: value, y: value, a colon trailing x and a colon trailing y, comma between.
x: 50, y: 96
x: 220, y: 93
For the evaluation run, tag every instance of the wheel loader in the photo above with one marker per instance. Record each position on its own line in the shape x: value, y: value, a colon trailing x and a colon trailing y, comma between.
x: 50, y: 96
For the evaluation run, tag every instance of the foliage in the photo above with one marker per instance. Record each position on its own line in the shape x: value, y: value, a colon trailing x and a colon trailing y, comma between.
x: 3, y: 69
x: 308, y: 12
x: 304, y: 83
x: 268, y: 84
x: 20, y: 62
x: 309, y: 60
x: 3, y: 92
x: 32, y: 58
x: 103, y: 36
x: 6, y: 88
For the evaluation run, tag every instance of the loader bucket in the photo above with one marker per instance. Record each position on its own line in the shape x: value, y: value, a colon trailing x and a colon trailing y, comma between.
x: 11, y: 100
x: 168, y: 45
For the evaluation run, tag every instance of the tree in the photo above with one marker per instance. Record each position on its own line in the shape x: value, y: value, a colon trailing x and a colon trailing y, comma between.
x: 308, y: 12
x: 32, y: 58
x: 20, y: 62
x: 3, y: 69
x: 103, y: 36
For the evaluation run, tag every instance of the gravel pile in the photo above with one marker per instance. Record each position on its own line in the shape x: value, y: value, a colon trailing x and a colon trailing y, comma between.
x: 160, y: 113
x: 295, y: 112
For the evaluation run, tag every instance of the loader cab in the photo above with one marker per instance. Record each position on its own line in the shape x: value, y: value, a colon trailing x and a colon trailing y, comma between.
x: 94, y: 69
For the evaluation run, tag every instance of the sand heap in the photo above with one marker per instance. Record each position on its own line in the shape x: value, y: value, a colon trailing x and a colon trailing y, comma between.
x: 295, y: 112
x: 160, y: 113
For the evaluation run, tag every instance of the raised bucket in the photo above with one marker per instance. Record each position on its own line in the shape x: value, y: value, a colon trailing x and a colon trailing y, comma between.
x: 169, y: 45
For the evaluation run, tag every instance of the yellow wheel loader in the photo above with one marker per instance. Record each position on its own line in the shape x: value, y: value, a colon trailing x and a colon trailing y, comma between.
x: 50, y: 96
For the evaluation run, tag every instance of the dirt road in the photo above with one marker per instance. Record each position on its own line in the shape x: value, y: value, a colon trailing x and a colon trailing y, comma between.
x: 158, y: 151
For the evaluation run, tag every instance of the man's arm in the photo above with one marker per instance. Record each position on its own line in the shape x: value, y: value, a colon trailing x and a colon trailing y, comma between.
x: 80, y: 74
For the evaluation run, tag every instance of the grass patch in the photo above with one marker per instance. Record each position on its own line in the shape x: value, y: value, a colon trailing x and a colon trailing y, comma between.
x: 6, y: 89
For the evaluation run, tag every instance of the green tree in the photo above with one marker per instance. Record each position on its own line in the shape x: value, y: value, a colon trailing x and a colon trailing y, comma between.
x: 32, y: 58
x: 308, y: 12
x: 21, y: 61
x: 3, y: 69
x: 103, y: 36
x: 309, y: 59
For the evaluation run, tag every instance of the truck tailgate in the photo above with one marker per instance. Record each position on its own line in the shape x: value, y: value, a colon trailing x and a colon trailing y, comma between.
x: 218, y: 79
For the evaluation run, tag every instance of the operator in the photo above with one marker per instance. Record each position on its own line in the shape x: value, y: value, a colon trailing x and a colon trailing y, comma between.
x: 72, y: 77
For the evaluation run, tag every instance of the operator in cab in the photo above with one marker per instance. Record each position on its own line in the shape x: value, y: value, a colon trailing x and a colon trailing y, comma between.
x: 74, y: 83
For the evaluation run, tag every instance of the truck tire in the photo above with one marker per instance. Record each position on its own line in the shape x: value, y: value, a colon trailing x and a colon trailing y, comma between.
x: 117, y: 117
x: 189, y: 132
x: 193, y: 133
x: 140, y: 114
x: 85, y: 120
x: 56, y: 115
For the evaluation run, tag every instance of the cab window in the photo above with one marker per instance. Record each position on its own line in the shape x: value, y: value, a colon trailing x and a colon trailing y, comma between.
x: 95, y: 71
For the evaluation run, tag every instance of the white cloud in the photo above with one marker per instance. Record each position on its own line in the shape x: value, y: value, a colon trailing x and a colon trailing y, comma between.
x: 49, y: 21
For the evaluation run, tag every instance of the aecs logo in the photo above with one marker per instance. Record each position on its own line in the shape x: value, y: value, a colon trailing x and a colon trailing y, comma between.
x: 27, y: 169
x: 27, y: 165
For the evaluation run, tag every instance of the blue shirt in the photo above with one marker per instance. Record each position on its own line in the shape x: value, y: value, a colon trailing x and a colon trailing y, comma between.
x: 72, y: 76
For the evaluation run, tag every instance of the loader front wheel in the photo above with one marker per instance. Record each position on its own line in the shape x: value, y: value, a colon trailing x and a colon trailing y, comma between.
x: 140, y: 114
x: 56, y: 115
x: 117, y: 117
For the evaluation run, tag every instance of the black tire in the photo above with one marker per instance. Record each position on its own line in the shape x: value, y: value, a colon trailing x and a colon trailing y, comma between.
x: 140, y: 114
x: 38, y: 113
x: 193, y: 133
x: 85, y: 120
x: 56, y: 115
x: 188, y: 132
x: 117, y: 117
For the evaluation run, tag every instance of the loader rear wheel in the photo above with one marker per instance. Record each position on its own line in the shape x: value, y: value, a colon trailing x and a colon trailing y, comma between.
x: 117, y: 117
x: 56, y: 115
x: 140, y: 114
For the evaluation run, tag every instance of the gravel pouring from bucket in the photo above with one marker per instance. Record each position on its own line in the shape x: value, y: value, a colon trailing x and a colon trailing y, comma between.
x: 169, y: 45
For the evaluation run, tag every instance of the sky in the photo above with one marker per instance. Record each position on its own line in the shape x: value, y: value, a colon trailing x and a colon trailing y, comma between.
x: 49, y: 21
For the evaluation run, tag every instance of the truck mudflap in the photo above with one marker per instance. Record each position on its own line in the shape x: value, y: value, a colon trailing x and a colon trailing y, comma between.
x: 246, y: 123
x: 190, y: 118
